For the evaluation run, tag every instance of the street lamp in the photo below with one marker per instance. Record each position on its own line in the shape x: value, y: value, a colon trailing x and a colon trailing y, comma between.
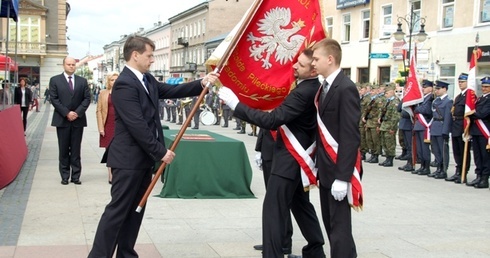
x: 411, y: 19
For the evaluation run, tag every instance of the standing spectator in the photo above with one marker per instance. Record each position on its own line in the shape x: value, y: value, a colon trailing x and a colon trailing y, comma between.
x: 6, y: 96
x: 35, y: 97
x: 106, y: 117
x: 96, y: 94
x: 23, y: 98
x: 46, y: 95
x: 226, y: 110
x: 338, y: 112
x: 70, y: 97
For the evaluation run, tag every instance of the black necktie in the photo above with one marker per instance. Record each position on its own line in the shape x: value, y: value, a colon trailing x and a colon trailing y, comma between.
x: 70, y: 83
x: 145, y: 81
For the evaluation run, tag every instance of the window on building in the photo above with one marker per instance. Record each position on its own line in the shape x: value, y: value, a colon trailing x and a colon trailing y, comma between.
x: 346, y: 27
x: 365, y: 23
x: 447, y: 74
x: 199, y: 28
x: 346, y: 71
x: 29, y: 30
x: 203, y: 26
x: 387, y: 13
x: 484, y: 11
x: 329, y: 22
x: 384, y: 74
x: 362, y: 75
x: 416, y: 12
x: 447, y: 13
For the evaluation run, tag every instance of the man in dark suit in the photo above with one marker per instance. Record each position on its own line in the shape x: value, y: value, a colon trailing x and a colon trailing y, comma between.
x: 339, y: 110
x: 70, y: 97
x: 457, y: 130
x: 137, y: 144
x: 285, y: 188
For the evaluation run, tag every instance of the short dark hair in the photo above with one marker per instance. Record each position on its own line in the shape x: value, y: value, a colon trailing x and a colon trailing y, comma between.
x: 332, y: 47
x: 136, y: 43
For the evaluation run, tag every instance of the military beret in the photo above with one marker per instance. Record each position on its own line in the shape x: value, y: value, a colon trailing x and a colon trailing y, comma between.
x: 463, y: 77
x: 441, y: 84
x: 485, y: 80
x: 427, y: 83
x: 390, y: 86
x: 374, y: 86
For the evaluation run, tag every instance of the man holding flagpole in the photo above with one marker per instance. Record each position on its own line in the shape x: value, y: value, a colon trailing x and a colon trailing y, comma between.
x: 338, y: 140
x: 421, y: 128
x: 293, y: 169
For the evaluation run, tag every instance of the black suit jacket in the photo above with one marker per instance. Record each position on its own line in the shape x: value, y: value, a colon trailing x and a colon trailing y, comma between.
x: 458, y: 114
x: 265, y: 144
x: 138, y: 137
x: 482, y: 111
x: 18, y: 96
x: 64, y: 100
x: 340, y: 112
x: 297, y: 112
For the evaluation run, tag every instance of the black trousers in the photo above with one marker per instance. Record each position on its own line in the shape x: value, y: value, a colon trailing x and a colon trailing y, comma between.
x: 482, y: 156
x: 407, y: 140
x: 24, y: 111
x: 337, y: 219
x: 120, y: 223
x: 282, y: 195
x: 458, y: 150
x: 69, y: 144
x: 423, y: 150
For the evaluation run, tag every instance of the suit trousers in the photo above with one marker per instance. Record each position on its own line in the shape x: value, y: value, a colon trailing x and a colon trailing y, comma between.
x: 70, y: 144
x: 423, y: 151
x: 458, y: 150
x: 284, y: 194
x: 337, y: 219
x: 120, y: 223
x: 407, y: 139
x: 440, y: 148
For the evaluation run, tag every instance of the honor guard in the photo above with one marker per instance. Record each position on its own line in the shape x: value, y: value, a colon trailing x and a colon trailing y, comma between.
x: 401, y: 138
x: 480, y: 124
x: 388, y: 119
x: 457, y: 131
x: 365, y: 95
x: 440, y: 128
x: 423, y: 115
x: 405, y: 126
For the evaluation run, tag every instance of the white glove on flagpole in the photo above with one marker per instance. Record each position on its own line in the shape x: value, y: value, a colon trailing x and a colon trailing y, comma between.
x: 339, y: 190
x: 258, y: 160
x: 228, y: 97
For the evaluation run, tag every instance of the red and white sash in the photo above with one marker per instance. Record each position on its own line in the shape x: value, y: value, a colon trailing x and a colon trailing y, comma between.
x: 354, y: 189
x: 484, y: 130
x: 424, y: 123
x: 302, y: 156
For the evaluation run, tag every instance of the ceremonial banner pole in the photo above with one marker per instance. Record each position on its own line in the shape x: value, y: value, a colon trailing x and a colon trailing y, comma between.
x: 222, y: 62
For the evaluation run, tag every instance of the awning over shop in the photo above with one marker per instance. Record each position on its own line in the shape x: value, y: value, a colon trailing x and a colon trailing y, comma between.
x: 6, y: 63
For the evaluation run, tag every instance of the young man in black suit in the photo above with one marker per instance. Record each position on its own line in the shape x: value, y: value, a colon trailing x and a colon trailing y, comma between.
x: 295, y: 119
x: 339, y: 110
x: 70, y: 97
x: 137, y: 144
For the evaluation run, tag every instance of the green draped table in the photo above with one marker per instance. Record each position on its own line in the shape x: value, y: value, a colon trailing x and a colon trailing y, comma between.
x: 207, y: 165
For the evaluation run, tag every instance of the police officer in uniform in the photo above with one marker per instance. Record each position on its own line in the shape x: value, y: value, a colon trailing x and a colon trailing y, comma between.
x: 480, y: 142
x: 423, y: 111
x: 388, y: 120
x: 440, y: 129
x: 457, y: 130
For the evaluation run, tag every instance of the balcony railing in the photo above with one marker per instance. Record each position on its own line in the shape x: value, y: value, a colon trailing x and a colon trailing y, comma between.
x: 24, y: 47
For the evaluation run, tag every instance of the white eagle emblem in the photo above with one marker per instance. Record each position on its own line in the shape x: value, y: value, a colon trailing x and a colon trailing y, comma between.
x: 276, y: 37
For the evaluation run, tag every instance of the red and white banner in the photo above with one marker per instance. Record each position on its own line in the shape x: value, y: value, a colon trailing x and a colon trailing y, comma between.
x: 470, y: 92
x: 259, y: 70
x: 413, y: 91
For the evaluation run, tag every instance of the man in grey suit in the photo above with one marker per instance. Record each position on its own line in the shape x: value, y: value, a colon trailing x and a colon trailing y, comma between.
x: 70, y: 97
x: 137, y: 144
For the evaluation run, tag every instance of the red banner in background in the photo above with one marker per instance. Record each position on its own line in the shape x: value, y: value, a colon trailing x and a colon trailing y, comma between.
x: 259, y: 70
x: 413, y: 91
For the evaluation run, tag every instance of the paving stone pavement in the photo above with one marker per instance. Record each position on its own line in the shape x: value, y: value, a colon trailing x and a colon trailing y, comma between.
x: 405, y: 215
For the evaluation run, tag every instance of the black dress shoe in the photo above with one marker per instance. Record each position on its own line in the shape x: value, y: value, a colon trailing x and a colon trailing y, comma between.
x: 224, y: 126
x: 285, y: 250
x: 64, y: 182
x: 195, y: 127
x: 77, y: 182
x: 259, y: 247
x: 294, y: 256
x: 237, y: 128
x: 474, y: 182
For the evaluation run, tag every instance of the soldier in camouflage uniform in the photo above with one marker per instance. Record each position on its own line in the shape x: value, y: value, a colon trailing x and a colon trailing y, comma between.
x: 372, y: 125
x: 365, y: 95
x: 388, y: 119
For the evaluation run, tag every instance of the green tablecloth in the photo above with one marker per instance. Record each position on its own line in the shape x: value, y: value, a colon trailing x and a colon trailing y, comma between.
x: 217, y: 168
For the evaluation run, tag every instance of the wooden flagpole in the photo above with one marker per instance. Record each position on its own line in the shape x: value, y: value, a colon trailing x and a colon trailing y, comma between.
x: 222, y: 62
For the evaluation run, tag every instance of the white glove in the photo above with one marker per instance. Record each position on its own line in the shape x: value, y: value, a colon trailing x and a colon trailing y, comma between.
x: 339, y: 190
x: 258, y: 160
x: 228, y: 97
